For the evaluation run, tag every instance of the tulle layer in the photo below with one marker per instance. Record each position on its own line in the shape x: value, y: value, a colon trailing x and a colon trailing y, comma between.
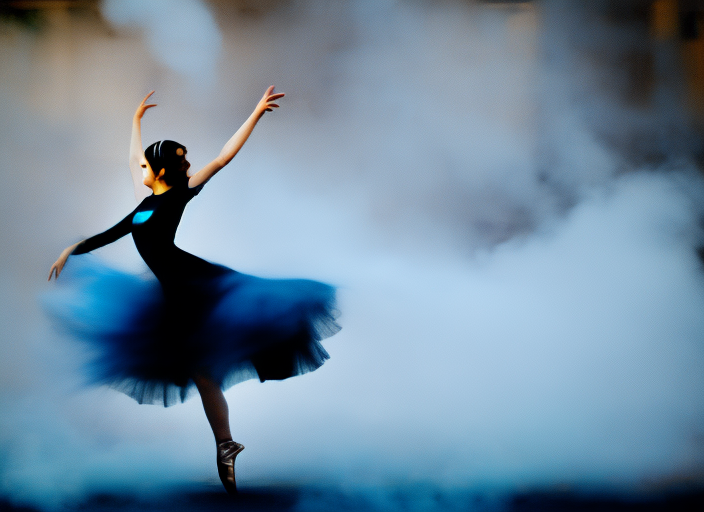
x: 149, y: 343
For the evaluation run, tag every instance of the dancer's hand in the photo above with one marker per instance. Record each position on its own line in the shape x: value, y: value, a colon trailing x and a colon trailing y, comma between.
x: 136, y: 151
x: 58, y: 265
x: 232, y: 146
x: 143, y: 108
x: 266, y: 104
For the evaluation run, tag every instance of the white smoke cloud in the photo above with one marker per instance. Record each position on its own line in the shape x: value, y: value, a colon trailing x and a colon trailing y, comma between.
x: 181, y: 34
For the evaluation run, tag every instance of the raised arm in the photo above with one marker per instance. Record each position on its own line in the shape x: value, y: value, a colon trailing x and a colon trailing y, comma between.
x: 228, y: 152
x: 137, y: 152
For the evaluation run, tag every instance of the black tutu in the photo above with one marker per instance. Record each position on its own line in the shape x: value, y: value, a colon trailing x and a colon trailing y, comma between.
x: 148, y: 341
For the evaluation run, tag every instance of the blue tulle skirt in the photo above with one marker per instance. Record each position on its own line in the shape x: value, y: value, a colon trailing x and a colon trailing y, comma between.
x: 149, y: 340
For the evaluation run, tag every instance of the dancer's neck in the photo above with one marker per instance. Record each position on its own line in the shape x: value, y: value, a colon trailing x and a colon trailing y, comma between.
x: 159, y: 187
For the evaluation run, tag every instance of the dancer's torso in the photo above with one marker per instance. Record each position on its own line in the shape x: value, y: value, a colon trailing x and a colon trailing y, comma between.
x: 154, y: 225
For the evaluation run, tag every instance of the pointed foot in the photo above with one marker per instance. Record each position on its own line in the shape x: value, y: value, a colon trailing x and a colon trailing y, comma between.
x: 227, y: 452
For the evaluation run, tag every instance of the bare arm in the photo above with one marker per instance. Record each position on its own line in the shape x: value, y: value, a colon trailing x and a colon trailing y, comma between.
x: 58, y: 265
x: 137, y: 152
x: 231, y: 148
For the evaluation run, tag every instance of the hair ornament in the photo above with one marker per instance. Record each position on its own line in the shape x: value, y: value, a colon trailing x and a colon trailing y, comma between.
x: 179, y: 151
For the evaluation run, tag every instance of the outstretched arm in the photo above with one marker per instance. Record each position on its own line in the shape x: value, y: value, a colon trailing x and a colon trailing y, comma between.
x: 58, y: 265
x: 266, y: 104
x: 106, y: 237
x: 136, y: 151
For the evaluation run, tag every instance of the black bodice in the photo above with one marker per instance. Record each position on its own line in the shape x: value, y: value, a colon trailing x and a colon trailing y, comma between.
x: 153, y: 225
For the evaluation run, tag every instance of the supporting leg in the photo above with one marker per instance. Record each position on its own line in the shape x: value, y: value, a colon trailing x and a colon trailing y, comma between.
x: 215, y: 406
x: 217, y: 412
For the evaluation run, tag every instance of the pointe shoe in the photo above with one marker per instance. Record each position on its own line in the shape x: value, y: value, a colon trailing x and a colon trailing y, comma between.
x: 227, y: 451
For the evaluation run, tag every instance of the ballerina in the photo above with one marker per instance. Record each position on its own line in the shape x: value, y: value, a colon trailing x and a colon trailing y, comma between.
x: 198, y: 324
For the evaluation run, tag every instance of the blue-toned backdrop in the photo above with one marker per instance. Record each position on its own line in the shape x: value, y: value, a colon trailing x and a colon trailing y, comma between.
x: 507, y: 194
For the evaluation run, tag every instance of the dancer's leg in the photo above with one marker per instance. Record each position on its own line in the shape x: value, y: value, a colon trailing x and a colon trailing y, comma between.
x: 217, y: 412
x: 215, y: 406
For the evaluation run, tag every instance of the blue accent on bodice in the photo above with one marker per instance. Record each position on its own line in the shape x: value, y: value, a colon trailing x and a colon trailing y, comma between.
x: 141, y: 217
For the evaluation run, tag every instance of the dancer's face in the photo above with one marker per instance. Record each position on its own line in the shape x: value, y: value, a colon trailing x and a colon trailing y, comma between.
x: 148, y: 177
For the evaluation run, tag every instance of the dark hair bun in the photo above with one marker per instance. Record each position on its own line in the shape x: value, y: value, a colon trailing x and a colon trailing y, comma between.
x: 170, y: 156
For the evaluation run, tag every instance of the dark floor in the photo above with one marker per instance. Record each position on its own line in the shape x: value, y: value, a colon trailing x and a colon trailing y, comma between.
x: 283, y: 498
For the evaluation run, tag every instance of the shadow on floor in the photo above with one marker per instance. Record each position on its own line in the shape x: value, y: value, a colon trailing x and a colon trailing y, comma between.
x: 299, y: 498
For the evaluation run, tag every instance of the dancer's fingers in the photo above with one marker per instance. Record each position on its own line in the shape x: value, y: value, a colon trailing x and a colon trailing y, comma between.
x: 269, y: 90
x: 276, y: 96
x: 272, y: 105
x: 147, y: 97
x: 56, y: 268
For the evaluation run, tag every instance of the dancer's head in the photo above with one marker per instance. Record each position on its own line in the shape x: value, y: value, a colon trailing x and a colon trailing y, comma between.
x: 167, y: 160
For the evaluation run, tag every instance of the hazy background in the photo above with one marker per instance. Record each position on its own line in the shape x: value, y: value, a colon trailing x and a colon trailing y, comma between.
x: 507, y: 194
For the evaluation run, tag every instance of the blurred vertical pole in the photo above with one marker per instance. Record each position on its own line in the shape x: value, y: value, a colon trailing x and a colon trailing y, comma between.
x: 678, y: 33
x: 522, y: 27
x: 691, y: 30
x: 664, y: 19
x: 51, y: 90
x: 683, y: 21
